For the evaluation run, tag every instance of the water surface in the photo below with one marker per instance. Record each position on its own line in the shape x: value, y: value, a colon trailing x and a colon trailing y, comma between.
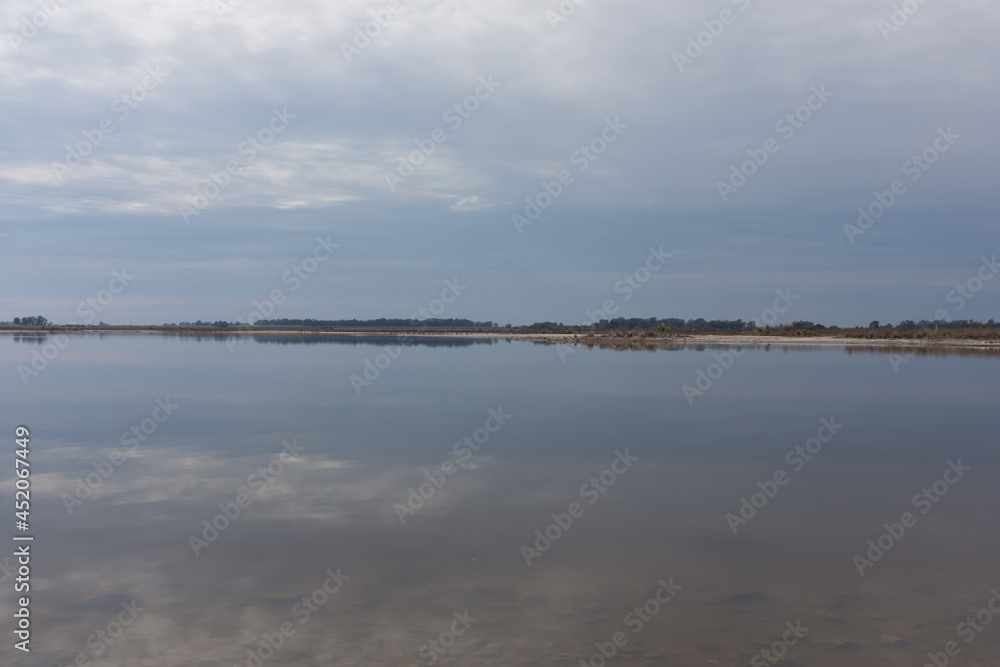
x: 358, y: 450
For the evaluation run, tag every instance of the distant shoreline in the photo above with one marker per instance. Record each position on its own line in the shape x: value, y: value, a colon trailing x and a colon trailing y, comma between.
x: 631, y: 339
x: 762, y: 340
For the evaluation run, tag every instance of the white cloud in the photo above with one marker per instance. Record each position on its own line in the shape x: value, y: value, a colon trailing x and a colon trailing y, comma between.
x: 473, y: 203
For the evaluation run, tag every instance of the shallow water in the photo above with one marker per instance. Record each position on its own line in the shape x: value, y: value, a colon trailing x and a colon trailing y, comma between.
x: 337, y: 503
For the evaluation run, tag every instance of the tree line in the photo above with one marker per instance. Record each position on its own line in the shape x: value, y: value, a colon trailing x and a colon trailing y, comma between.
x: 381, y: 323
x: 36, y: 321
x: 699, y: 324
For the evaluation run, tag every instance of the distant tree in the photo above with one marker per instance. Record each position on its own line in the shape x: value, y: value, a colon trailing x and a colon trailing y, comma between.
x: 36, y: 321
x: 874, y: 324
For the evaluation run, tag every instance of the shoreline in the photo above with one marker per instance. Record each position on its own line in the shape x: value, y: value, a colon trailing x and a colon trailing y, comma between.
x: 617, y: 340
x: 763, y: 340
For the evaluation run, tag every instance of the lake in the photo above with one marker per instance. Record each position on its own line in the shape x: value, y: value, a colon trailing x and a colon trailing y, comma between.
x: 485, y: 502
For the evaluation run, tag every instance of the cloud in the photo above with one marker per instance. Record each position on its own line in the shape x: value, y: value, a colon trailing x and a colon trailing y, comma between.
x: 473, y: 203
x: 366, y: 87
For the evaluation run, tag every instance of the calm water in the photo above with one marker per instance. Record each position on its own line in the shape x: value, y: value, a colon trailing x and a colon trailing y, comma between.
x: 455, y: 564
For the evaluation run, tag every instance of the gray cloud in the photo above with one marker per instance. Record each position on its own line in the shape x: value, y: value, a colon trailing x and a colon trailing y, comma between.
x: 354, y: 120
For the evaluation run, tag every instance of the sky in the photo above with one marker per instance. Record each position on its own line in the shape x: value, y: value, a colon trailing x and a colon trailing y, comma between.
x: 514, y: 161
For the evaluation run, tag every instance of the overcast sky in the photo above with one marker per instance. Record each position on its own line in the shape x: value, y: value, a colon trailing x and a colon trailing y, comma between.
x: 117, y: 113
